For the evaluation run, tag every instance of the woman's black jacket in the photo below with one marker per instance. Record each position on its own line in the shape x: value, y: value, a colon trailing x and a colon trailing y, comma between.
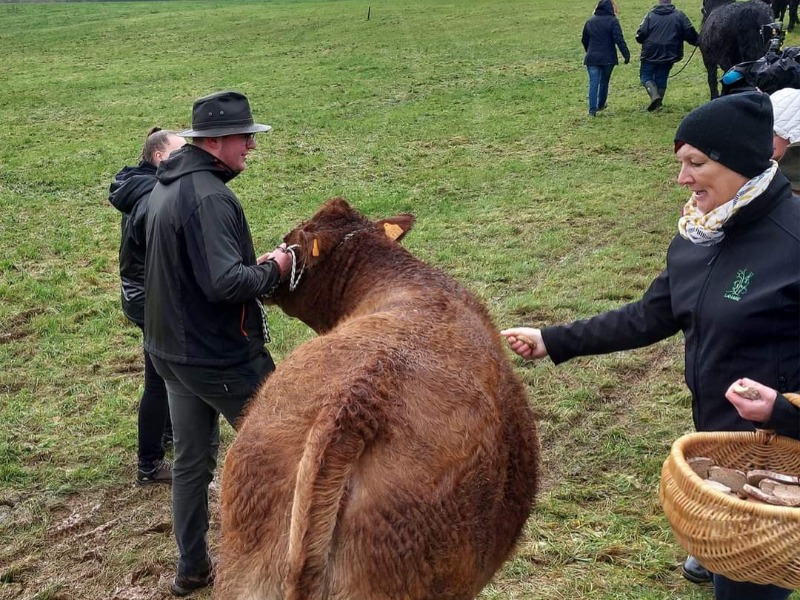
x: 737, y: 303
x: 128, y: 194
x: 600, y: 34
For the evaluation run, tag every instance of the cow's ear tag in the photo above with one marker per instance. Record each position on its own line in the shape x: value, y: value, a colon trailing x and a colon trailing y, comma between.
x: 315, y: 248
x: 392, y: 230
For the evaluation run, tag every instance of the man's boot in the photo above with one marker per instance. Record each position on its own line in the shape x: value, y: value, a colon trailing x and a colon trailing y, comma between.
x: 662, y: 92
x: 655, y: 99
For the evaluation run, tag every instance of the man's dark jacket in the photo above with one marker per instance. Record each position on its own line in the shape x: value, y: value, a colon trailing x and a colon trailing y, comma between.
x: 600, y: 34
x: 662, y: 33
x: 737, y: 303
x: 128, y: 194
x: 201, y: 276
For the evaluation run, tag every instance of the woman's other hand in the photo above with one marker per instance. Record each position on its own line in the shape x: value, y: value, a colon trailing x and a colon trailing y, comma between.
x: 757, y: 409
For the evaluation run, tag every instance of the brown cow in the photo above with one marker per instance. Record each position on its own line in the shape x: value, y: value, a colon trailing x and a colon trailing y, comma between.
x: 395, y: 456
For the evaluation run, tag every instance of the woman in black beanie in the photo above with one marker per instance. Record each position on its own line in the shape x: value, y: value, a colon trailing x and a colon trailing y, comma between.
x: 731, y: 283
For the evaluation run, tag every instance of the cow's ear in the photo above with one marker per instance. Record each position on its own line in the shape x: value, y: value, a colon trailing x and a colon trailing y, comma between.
x: 397, y: 227
x: 314, y: 245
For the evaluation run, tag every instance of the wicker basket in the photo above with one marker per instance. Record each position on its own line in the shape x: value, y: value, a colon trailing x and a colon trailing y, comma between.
x: 741, y: 540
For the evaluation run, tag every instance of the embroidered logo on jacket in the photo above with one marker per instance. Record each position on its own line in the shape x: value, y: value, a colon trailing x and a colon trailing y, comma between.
x: 740, y: 284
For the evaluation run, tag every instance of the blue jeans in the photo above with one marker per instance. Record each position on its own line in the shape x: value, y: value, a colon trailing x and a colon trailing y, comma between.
x: 197, y: 396
x: 727, y: 589
x: 599, y: 76
x: 657, y: 72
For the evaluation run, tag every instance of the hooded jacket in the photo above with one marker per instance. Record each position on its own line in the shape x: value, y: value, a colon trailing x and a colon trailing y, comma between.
x: 737, y: 303
x: 600, y: 34
x: 201, y: 276
x: 662, y: 33
x: 128, y: 194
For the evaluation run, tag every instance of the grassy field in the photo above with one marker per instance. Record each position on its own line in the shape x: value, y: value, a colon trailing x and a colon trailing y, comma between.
x: 470, y: 114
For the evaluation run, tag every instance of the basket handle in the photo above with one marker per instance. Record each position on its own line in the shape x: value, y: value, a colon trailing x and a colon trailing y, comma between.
x: 767, y: 436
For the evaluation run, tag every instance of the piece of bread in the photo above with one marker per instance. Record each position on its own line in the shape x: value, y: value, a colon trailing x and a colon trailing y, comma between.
x: 700, y: 465
x: 747, y: 392
x: 732, y: 478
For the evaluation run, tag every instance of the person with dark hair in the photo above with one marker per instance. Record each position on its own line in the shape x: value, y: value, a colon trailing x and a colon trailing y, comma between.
x: 662, y: 33
x: 205, y: 326
x: 129, y: 193
x: 731, y: 283
x: 602, y: 35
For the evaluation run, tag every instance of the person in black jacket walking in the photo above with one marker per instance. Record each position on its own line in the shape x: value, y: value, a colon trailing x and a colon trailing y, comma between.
x: 205, y: 326
x: 129, y: 193
x: 601, y: 33
x: 662, y: 34
x: 731, y: 283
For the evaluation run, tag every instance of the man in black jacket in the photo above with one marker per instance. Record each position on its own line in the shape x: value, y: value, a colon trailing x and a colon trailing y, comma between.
x: 204, y: 325
x: 662, y: 34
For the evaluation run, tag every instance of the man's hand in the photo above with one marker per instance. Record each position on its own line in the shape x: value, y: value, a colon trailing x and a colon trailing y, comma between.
x: 282, y: 257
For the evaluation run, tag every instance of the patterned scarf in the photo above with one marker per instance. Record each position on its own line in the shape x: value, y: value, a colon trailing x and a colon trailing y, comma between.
x: 706, y: 229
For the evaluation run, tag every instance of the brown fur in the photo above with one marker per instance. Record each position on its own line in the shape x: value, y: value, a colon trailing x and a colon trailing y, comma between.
x: 395, y: 456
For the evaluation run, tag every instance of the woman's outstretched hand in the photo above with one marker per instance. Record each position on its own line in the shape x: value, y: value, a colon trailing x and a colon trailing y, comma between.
x: 526, y: 341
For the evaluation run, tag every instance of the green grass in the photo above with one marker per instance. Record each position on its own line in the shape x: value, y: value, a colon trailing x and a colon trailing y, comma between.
x: 471, y: 115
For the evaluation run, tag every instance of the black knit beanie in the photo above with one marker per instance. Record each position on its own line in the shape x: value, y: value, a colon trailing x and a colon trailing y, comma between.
x: 734, y: 130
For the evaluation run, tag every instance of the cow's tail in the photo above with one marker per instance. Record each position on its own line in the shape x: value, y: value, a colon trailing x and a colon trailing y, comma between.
x: 343, y: 429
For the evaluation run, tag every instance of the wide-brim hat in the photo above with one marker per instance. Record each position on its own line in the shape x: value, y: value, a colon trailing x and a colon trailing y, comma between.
x: 220, y: 114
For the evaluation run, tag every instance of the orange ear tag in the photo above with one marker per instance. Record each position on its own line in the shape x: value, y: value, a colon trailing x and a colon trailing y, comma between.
x: 315, y: 248
x: 392, y: 230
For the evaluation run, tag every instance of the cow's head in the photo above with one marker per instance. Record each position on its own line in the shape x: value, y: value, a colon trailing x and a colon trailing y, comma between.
x: 328, y: 233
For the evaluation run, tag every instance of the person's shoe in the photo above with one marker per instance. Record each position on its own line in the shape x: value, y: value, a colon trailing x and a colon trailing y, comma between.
x: 161, y: 472
x: 655, y: 98
x: 694, y: 571
x: 185, y: 585
x: 592, y: 113
x: 599, y: 108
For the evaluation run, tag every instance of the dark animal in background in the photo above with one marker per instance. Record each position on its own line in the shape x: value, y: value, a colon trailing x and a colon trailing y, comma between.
x: 395, y: 456
x: 779, y: 11
x: 731, y: 33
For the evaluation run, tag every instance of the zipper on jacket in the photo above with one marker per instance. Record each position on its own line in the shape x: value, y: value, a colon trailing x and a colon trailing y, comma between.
x: 700, y: 300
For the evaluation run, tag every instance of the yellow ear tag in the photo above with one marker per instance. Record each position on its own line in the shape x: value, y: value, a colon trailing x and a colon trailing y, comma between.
x: 315, y: 248
x: 392, y: 230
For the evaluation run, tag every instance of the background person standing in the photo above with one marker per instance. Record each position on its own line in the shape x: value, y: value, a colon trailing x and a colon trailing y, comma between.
x: 602, y: 34
x: 129, y: 193
x: 662, y: 34
x: 205, y: 327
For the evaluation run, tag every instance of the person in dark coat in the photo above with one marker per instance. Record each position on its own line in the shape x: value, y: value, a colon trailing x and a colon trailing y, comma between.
x: 602, y: 35
x: 129, y: 193
x: 205, y: 326
x: 662, y: 34
x: 731, y: 282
